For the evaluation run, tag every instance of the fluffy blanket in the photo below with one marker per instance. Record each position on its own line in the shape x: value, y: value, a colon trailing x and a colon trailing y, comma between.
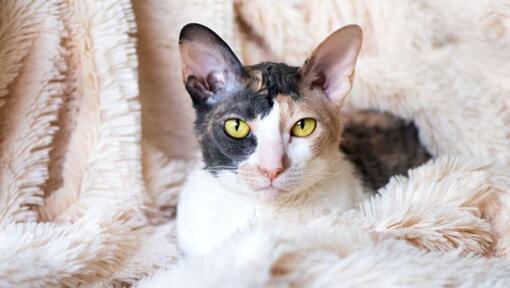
x: 95, y: 141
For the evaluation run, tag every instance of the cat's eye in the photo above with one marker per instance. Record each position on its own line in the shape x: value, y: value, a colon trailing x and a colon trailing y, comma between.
x: 304, y: 127
x: 236, y: 128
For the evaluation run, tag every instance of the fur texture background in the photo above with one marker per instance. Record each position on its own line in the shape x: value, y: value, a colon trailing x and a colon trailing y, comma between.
x: 95, y: 141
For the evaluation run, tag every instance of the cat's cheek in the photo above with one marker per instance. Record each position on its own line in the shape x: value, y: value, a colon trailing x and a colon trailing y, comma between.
x: 299, y: 151
x: 303, y: 162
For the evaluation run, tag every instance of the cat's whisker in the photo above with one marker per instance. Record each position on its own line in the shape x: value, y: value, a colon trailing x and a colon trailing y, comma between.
x: 226, y: 168
x: 222, y: 167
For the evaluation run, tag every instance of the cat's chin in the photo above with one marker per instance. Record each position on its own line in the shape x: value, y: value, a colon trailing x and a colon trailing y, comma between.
x: 270, y: 193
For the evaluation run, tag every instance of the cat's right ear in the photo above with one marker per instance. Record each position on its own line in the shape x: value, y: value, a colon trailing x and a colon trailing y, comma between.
x: 209, y: 67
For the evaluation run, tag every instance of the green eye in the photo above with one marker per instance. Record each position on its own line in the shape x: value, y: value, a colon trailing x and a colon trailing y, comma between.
x: 304, y: 127
x: 236, y: 128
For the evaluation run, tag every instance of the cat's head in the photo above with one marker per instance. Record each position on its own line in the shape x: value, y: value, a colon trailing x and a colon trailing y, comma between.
x: 268, y: 129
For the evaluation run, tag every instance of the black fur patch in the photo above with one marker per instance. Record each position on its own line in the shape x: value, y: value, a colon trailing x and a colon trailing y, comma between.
x: 381, y: 151
x: 278, y: 79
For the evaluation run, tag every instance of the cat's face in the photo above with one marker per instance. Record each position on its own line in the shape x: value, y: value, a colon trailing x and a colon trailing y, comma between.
x: 268, y: 129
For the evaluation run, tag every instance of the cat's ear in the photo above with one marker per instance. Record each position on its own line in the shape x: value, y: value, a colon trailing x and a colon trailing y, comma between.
x: 208, y: 64
x: 331, y: 65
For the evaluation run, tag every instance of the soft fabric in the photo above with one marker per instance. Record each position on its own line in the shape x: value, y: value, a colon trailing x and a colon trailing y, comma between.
x: 95, y: 141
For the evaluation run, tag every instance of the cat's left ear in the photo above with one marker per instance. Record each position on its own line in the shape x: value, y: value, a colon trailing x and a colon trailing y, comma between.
x: 331, y: 65
x: 209, y: 67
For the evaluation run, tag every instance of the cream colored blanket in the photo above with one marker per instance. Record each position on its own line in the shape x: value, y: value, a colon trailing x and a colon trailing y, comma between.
x: 95, y: 141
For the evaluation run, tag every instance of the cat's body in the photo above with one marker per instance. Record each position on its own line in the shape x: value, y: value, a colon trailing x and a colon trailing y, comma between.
x: 269, y: 135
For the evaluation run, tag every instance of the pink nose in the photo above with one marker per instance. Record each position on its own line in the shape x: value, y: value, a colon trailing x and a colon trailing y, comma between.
x: 271, y: 173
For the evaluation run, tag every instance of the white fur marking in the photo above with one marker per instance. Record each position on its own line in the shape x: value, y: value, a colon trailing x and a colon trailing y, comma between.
x: 270, y: 149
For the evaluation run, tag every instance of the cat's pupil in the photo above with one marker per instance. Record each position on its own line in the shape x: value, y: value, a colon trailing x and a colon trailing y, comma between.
x: 302, y: 124
x: 238, y: 123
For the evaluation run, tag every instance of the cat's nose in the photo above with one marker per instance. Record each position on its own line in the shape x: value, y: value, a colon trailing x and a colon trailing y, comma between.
x: 271, y: 173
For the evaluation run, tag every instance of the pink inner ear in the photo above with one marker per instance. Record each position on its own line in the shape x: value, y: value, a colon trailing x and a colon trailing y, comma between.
x: 332, y: 63
x: 215, y: 80
x: 338, y: 76
x: 319, y: 81
x: 203, y: 63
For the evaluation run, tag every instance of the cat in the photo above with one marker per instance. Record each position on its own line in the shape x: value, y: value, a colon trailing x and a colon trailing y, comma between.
x: 269, y: 136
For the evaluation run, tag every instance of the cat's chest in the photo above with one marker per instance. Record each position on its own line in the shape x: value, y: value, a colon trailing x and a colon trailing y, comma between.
x: 206, y: 214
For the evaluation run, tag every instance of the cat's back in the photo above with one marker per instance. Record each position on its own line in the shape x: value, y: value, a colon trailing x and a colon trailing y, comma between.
x: 381, y: 146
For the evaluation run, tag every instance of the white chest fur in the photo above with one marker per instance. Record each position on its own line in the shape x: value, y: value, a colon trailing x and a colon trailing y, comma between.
x: 209, y: 213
